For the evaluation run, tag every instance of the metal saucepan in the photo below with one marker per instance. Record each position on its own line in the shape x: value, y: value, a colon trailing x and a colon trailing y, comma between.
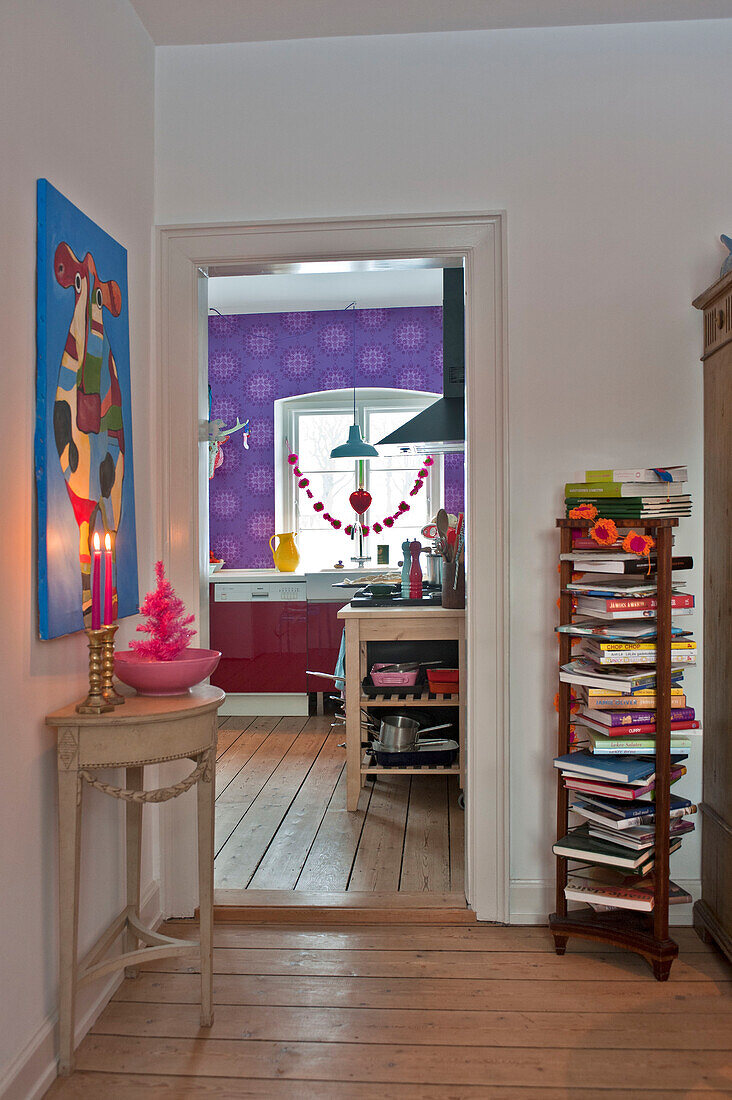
x: 397, y: 733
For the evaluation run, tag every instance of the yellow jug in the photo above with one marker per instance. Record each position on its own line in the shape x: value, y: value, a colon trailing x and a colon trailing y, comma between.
x: 286, y: 557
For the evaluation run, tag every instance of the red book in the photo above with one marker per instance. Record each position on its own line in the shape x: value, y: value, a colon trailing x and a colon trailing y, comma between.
x: 646, y: 603
x: 637, y: 729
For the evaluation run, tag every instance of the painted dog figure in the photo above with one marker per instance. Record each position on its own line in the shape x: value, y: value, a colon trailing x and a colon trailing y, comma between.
x: 87, y: 414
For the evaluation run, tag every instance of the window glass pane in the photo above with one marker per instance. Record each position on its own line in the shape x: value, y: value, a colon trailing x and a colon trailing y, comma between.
x: 319, y: 433
x: 380, y: 424
x: 333, y: 490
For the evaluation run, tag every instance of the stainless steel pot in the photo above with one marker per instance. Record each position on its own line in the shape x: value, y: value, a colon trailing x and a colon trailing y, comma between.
x: 432, y: 567
x: 398, y: 733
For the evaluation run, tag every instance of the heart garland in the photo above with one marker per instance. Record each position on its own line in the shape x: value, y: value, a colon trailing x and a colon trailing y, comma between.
x: 361, y: 504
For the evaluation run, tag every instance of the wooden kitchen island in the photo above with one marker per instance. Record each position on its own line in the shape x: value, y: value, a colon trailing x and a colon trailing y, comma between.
x: 392, y: 624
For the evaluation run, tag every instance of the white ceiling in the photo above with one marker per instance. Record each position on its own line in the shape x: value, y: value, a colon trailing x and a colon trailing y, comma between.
x: 191, y: 22
x: 295, y: 293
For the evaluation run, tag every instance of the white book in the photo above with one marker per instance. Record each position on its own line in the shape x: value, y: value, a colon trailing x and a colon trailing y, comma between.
x: 676, y: 473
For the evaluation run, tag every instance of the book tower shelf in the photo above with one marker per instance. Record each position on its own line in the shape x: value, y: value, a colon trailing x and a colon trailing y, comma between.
x: 644, y: 933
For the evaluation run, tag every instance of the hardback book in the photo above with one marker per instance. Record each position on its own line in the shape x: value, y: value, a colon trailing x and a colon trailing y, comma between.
x: 617, y: 562
x: 628, y: 893
x: 640, y: 694
x: 625, y: 769
x: 626, y: 792
x: 612, y: 820
x: 607, y: 702
x: 621, y: 489
x: 579, y: 845
x: 584, y: 671
x: 620, y: 810
x: 622, y: 630
x: 626, y: 603
x: 633, y: 510
x: 640, y: 730
x: 647, y: 644
x: 661, y: 473
x: 606, y: 746
x: 623, y: 587
x: 639, y: 837
x: 633, y: 657
x: 624, y: 718
x: 643, y: 613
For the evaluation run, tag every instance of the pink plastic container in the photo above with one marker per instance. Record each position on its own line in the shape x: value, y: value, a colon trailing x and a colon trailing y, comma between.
x: 175, y: 677
x: 393, y: 679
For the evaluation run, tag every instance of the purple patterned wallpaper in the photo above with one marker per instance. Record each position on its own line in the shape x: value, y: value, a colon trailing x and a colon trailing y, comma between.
x: 256, y: 358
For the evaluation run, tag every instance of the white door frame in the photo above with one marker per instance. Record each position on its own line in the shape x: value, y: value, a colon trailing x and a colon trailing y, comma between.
x: 182, y: 251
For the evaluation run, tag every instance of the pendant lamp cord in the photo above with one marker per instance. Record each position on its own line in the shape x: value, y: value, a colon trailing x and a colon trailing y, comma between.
x: 352, y: 305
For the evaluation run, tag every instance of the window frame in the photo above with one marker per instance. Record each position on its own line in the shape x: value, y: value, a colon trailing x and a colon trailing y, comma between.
x: 287, y: 412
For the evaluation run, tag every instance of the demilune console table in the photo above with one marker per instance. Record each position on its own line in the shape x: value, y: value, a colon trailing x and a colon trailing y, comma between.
x: 144, y: 730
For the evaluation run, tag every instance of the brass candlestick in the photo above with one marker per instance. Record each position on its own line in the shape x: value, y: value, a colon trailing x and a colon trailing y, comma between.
x: 111, y: 695
x: 95, y: 702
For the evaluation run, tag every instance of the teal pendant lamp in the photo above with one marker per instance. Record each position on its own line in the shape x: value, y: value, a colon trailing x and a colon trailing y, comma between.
x: 356, y: 446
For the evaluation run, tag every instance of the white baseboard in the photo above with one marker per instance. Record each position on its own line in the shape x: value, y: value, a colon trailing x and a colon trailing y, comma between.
x: 33, y: 1071
x: 532, y: 900
x: 281, y: 704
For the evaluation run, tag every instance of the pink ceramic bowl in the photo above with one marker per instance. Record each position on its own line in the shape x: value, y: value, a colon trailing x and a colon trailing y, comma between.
x: 175, y: 677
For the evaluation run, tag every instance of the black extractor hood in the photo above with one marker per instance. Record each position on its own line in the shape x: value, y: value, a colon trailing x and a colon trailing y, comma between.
x: 440, y: 428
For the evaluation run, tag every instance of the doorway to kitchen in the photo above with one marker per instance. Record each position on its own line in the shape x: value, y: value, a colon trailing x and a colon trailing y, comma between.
x: 290, y: 813
x: 477, y: 240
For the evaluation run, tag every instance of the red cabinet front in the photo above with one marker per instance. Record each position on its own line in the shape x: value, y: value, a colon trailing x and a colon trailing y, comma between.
x: 263, y: 645
x: 324, y: 640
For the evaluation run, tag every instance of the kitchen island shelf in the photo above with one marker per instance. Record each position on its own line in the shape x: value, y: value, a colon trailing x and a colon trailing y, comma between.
x: 432, y: 699
x: 406, y: 769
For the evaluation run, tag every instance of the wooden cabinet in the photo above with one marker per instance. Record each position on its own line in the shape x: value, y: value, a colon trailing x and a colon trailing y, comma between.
x: 713, y: 914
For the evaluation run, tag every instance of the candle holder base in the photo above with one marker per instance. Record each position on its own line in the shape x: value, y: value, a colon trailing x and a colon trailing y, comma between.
x: 95, y: 703
x: 109, y: 693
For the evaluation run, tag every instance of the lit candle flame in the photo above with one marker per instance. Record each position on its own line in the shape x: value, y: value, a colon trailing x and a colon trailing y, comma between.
x: 97, y: 543
x: 107, y: 541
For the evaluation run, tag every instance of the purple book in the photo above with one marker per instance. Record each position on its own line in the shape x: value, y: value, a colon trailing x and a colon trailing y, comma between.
x: 635, y: 717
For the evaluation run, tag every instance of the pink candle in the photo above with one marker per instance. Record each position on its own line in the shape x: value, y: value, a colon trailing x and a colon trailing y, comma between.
x: 108, y: 616
x: 96, y: 583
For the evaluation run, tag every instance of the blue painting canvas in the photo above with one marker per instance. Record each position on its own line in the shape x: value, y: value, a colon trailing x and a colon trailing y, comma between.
x: 83, y: 441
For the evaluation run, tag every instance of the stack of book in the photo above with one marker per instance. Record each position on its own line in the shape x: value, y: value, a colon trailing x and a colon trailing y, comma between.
x: 632, y: 494
x: 614, y: 799
x: 610, y: 777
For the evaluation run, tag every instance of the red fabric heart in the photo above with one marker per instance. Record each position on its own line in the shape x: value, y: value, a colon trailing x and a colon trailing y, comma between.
x: 360, y: 501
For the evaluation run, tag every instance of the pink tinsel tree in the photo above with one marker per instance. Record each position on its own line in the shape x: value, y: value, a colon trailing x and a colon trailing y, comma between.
x: 167, y: 622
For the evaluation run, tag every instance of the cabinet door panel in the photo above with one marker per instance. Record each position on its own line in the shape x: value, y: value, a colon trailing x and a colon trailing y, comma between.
x: 263, y: 646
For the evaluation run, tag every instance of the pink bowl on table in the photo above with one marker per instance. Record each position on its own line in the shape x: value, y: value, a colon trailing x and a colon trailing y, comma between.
x: 175, y: 677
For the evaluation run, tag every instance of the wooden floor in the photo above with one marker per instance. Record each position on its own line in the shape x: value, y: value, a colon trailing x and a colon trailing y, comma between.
x: 414, y: 1013
x: 282, y: 823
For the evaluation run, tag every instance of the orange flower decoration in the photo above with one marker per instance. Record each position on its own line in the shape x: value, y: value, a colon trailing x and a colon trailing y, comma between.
x: 605, y: 533
x: 573, y: 702
x: 633, y: 543
x: 583, y: 511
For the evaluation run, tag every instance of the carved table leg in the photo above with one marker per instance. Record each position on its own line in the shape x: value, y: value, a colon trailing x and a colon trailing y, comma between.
x: 134, y: 855
x: 69, y: 818
x: 206, y: 797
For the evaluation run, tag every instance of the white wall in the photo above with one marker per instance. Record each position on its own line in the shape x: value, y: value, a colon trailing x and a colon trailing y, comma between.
x: 609, y: 148
x: 76, y: 87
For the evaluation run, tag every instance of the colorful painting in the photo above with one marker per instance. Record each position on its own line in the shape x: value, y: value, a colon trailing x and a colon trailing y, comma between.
x: 83, y: 444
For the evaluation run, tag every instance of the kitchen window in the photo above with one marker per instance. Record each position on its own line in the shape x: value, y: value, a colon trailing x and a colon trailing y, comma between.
x: 311, y: 425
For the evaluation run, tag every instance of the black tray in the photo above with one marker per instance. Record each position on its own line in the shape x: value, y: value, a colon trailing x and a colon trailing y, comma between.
x: 427, y: 757
x: 371, y: 690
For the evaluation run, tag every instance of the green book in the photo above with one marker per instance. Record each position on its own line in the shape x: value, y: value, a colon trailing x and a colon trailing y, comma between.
x: 580, y: 845
x: 609, y: 746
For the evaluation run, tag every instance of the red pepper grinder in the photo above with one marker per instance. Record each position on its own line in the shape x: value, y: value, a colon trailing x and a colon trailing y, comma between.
x: 415, y: 573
